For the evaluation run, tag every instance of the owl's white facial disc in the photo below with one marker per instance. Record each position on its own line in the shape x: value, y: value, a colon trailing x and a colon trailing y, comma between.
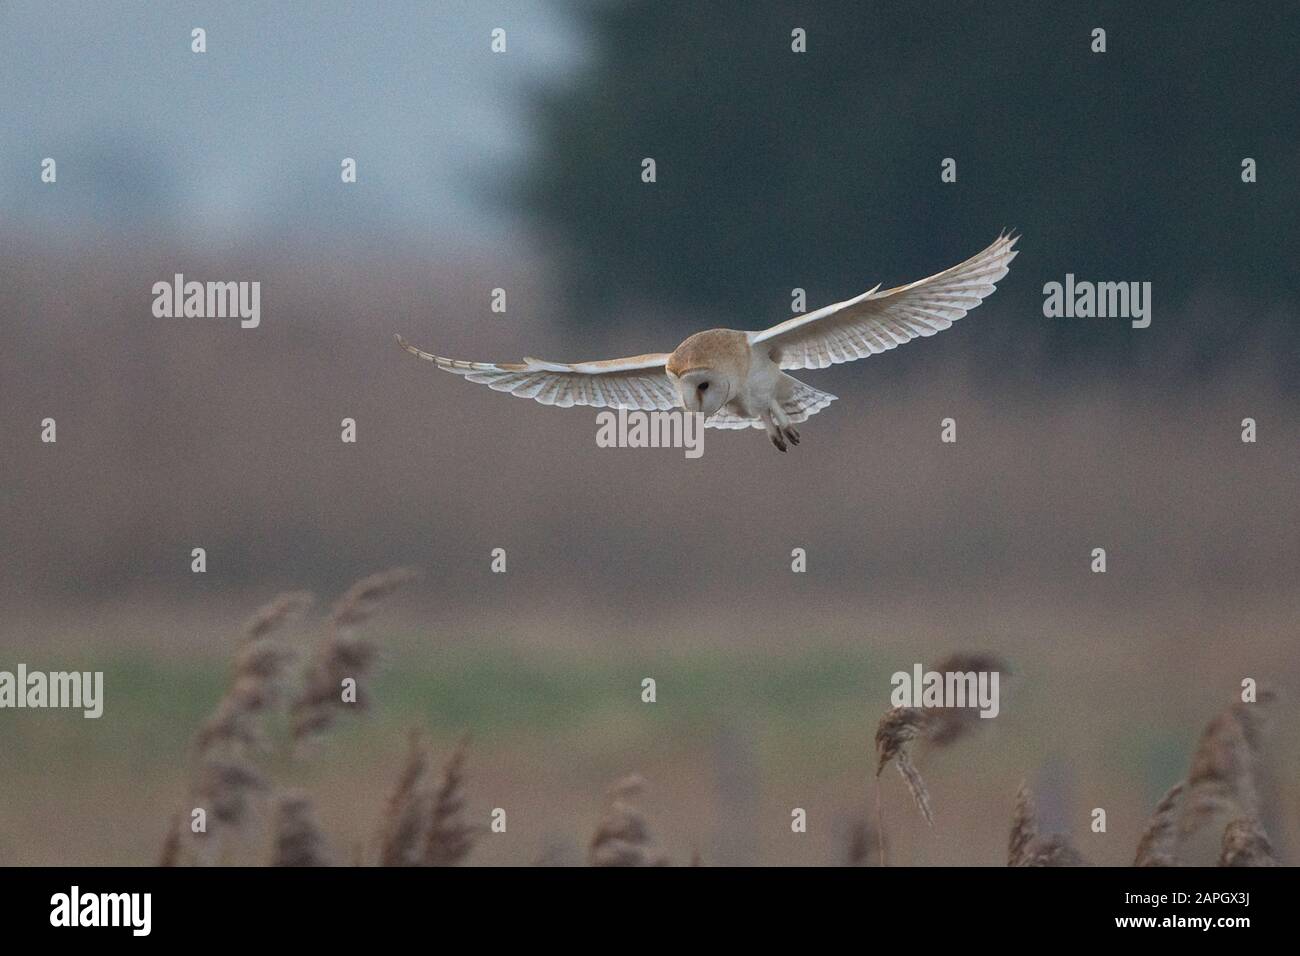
x: 703, y: 390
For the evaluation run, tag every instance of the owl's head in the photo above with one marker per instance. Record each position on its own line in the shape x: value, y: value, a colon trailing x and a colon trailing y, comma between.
x: 703, y: 390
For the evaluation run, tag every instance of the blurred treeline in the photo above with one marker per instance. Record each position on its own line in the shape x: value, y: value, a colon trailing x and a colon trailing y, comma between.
x: 821, y: 170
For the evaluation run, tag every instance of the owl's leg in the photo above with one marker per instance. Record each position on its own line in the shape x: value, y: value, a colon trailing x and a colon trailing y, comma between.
x: 774, y: 431
x: 782, y: 422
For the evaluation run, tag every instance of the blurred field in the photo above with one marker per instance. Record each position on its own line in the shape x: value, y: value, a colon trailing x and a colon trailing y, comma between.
x: 624, y: 564
x: 743, y: 731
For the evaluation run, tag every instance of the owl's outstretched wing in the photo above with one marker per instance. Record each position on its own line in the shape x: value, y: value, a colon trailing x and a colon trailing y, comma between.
x: 636, y: 382
x: 878, y: 321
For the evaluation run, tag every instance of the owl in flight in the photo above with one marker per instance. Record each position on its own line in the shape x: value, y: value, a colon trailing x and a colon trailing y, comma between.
x: 738, y: 379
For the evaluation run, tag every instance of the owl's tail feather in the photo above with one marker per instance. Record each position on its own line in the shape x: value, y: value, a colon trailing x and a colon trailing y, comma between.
x: 804, y: 401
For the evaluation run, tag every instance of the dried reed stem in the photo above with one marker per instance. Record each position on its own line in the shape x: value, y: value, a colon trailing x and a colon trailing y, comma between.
x: 1026, y: 847
x: 225, y: 787
x: 1222, y: 778
x: 424, y: 824
x: 360, y: 602
x: 1159, y: 843
x: 343, y: 655
x: 299, y: 840
x: 622, y: 837
x: 900, y: 727
x: 173, y: 847
x: 450, y: 838
x: 1246, y: 844
x: 282, y: 609
x: 402, y: 839
x: 260, y: 673
x: 894, y: 735
x: 1024, y: 827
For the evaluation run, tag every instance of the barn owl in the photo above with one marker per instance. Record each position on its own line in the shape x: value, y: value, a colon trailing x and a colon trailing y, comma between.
x: 738, y: 379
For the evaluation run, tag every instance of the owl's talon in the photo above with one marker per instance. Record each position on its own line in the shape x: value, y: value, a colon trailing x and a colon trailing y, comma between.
x: 778, y: 441
x: 791, y: 434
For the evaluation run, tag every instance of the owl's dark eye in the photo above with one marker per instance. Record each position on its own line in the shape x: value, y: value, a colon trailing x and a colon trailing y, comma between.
x: 704, y: 386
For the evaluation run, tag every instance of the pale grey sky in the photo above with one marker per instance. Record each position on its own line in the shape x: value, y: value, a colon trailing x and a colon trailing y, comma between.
x: 247, y: 138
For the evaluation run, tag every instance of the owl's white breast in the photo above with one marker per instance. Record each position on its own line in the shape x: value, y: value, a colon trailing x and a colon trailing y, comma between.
x: 753, y: 396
